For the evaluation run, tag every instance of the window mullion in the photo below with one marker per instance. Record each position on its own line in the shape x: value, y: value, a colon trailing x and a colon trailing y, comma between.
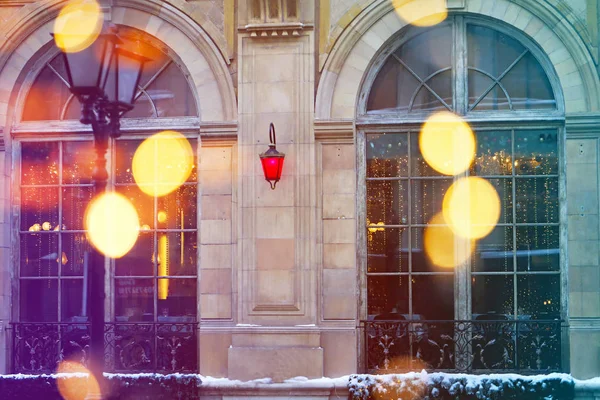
x: 459, y: 67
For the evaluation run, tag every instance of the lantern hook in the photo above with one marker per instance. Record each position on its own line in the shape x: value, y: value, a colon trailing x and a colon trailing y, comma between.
x: 272, y: 136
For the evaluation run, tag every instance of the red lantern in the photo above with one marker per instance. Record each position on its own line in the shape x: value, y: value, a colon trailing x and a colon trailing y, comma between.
x: 272, y: 160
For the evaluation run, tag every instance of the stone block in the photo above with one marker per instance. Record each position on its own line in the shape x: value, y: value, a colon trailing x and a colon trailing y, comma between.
x: 339, y: 156
x: 583, y: 252
x: 216, y: 207
x: 215, y: 281
x: 274, y: 287
x: 339, y: 206
x: 215, y: 306
x: 582, y: 202
x: 275, y: 97
x: 583, y: 227
x: 585, y: 353
x: 339, y: 282
x: 215, y: 232
x: 215, y: 182
x: 339, y: 181
x: 275, y: 254
x: 213, y: 354
x: 342, y: 307
x: 339, y: 353
x: 215, y: 158
x: 582, y: 177
x: 590, y: 304
x: 286, y: 339
x: 275, y: 222
x: 339, y: 255
x: 215, y: 256
x: 339, y: 231
x: 278, y: 363
x: 582, y: 151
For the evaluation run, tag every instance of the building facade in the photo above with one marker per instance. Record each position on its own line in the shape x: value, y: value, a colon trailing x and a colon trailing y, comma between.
x: 325, y: 275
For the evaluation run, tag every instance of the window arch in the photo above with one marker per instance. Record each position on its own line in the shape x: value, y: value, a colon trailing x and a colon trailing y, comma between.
x: 464, y: 66
x: 499, y: 84
x: 163, y: 91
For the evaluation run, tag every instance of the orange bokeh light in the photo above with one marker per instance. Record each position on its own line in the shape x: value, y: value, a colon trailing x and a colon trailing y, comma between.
x: 112, y: 224
x: 78, y: 25
x: 471, y: 207
x: 447, y: 143
x: 71, y: 388
x: 421, y: 12
x: 442, y: 247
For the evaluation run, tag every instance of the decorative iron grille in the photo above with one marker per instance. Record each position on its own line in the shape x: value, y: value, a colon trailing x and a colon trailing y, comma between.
x: 462, y: 346
x: 128, y: 347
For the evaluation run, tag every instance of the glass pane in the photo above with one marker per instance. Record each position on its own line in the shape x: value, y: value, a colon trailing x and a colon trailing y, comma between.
x: 387, y: 202
x: 73, y: 110
x: 420, y: 261
x: 71, y: 300
x: 427, y: 196
x: 74, y: 247
x: 428, y: 52
x: 46, y: 97
x: 494, y: 156
x: 291, y: 8
x: 538, y: 248
x: 39, y: 209
x: 78, y: 162
x: 393, y: 88
x: 39, y: 300
x: 387, y: 250
x: 171, y: 94
x: 144, y: 204
x: 433, y: 297
x: 492, y: 297
x: 255, y: 7
x: 536, y: 152
x: 503, y: 188
x: 134, y: 300
x: 495, y: 251
x: 441, y: 85
x: 75, y: 201
x: 387, y: 155
x: 273, y: 6
x: 537, y: 200
x: 490, y: 50
x: 39, y: 163
x: 39, y: 254
x: 387, y: 297
x: 178, y: 209
x: 538, y: 296
x: 177, y: 298
x: 494, y: 100
x: 143, y: 107
x: 177, y: 254
x: 139, y: 260
x: 125, y: 149
x: 528, y: 86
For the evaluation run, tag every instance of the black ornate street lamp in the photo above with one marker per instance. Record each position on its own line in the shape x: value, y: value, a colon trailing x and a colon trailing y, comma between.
x: 104, y: 77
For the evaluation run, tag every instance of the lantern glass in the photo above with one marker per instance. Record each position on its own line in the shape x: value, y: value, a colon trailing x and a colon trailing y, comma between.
x: 87, y: 69
x: 123, y: 78
x: 272, y: 167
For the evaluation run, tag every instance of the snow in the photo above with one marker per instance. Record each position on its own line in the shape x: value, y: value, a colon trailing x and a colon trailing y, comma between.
x: 246, y: 325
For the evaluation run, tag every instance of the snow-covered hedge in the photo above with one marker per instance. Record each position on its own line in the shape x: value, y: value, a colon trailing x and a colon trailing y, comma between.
x: 440, y: 386
x: 118, y: 386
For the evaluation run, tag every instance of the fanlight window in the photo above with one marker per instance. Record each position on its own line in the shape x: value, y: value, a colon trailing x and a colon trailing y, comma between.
x: 500, y: 73
x: 163, y: 90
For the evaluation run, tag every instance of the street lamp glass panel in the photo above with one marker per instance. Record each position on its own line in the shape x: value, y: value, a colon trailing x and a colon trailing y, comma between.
x: 128, y: 67
x: 87, y: 69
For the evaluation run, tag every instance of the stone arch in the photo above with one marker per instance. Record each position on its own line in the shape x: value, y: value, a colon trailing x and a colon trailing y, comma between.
x: 357, y: 46
x: 208, y: 72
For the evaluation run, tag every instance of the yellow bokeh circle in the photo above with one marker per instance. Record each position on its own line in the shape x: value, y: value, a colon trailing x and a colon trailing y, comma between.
x: 421, y: 12
x: 447, y: 143
x: 471, y: 207
x: 78, y: 25
x: 112, y: 224
x: 442, y: 247
x: 75, y: 387
x: 162, y: 163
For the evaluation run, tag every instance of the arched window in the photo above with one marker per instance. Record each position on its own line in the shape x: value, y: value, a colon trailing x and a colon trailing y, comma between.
x: 496, y: 81
x: 156, y: 282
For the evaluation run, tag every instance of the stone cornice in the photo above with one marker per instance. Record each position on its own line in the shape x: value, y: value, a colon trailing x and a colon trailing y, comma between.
x: 334, y: 130
x: 276, y: 30
x: 588, y: 123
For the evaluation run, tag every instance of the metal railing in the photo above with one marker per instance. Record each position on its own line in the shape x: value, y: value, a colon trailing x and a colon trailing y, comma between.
x: 523, y: 346
x: 128, y: 347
